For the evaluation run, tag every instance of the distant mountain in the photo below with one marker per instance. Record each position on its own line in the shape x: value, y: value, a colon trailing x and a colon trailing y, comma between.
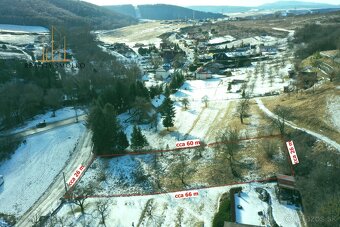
x: 280, y: 5
x: 222, y: 9
x: 128, y: 10
x: 162, y: 12
x: 296, y: 5
x: 60, y: 12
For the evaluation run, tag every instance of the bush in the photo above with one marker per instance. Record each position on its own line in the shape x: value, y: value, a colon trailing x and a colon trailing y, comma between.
x: 269, y: 148
x: 8, y: 146
x: 224, y: 209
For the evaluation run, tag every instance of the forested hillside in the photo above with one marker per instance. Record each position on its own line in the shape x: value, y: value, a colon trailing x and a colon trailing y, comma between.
x: 60, y: 12
x: 163, y: 12
x: 128, y: 10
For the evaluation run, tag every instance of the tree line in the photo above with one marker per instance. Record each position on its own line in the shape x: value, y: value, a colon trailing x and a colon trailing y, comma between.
x: 316, y: 38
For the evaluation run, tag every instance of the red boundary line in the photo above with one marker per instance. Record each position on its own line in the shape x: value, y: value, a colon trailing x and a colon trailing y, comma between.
x: 183, y: 148
x: 168, y: 150
x: 160, y: 193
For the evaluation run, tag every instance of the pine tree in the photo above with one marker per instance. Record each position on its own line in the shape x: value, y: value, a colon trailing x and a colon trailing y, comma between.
x: 168, y: 113
x: 108, y: 136
x: 167, y: 91
x: 138, y: 140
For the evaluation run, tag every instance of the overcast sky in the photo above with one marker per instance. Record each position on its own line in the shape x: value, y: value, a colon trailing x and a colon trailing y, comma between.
x: 197, y: 2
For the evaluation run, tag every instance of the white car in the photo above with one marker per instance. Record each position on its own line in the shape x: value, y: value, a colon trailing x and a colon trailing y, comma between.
x: 1, y: 180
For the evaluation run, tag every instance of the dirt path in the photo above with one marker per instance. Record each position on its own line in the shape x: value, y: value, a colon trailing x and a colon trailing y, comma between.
x: 220, y: 120
x: 194, y: 124
x: 50, y: 200
x: 291, y: 124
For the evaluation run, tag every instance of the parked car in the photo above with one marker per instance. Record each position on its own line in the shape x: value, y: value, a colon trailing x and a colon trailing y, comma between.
x: 1, y: 180
x: 41, y: 124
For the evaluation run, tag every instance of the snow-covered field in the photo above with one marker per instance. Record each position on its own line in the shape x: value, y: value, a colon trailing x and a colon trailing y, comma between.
x: 166, y: 210
x: 34, y: 165
x: 17, y: 39
x: 146, y: 33
x: 22, y: 28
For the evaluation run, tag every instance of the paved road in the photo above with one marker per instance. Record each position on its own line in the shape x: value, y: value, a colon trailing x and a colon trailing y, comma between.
x: 291, y: 124
x: 49, y: 126
x: 50, y: 200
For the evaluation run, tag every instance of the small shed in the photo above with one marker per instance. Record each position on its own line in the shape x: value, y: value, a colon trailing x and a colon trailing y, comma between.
x: 287, y: 192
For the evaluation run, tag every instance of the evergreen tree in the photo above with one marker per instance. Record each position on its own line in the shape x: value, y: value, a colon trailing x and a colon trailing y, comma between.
x: 167, y: 91
x: 138, y: 140
x: 177, y: 80
x: 168, y: 113
x: 108, y: 136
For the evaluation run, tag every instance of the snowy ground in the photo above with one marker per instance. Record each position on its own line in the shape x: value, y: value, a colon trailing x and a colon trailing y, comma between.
x: 33, y: 167
x: 166, y: 210
x: 22, y: 28
x: 333, y: 106
x: 146, y: 33
x: 17, y: 39
x: 284, y: 215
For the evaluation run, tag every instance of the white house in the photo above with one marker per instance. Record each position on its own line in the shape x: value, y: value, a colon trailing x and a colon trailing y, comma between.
x: 162, y: 74
x: 202, y: 74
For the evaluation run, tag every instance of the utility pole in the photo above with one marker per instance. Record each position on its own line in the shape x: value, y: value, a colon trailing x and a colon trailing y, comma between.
x: 65, y: 182
x: 52, y: 43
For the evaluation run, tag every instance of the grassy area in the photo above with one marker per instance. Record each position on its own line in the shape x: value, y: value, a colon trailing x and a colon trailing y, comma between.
x: 310, y: 109
x: 223, y: 213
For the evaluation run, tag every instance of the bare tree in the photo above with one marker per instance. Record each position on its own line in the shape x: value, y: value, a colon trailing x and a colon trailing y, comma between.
x: 156, y: 61
x: 180, y: 217
x: 182, y: 169
x: 199, y: 150
x: 229, y: 146
x: 205, y: 100
x: 57, y: 221
x: 35, y: 219
x: 53, y: 99
x: 80, y: 195
x: 185, y: 103
x: 142, y: 109
x: 243, y: 108
x: 269, y: 147
x: 334, y: 75
x: 154, y: 121
x: 102, y: 208
x: 282, y: 113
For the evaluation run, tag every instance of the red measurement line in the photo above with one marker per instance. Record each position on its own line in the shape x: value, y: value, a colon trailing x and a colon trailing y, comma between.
x: 161, y: 193
x: 182, y: 148
x: 67, y: 195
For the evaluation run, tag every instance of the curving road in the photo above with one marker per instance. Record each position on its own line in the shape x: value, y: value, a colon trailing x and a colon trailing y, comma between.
x: 291, y: 124
x: 50, y: 200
